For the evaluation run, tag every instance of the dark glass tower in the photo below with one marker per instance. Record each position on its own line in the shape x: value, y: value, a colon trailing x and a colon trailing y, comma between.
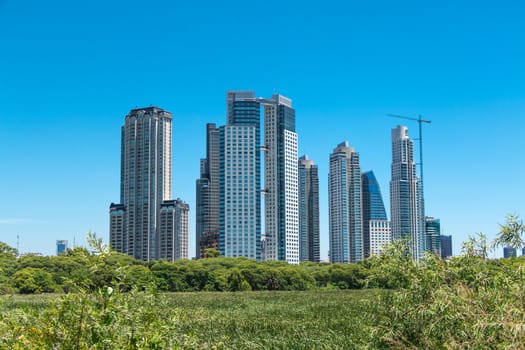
x: 308, y: 210
x: 207, y: 195
x: 373, y: 206
x: 446, y: 246
x: 433, y: 235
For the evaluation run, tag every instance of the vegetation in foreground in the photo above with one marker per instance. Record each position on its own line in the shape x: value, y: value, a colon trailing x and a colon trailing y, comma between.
x: 146, y: 320
x: 470, y: 302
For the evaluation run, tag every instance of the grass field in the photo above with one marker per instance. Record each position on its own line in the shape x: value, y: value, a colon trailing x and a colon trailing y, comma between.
x: 255, y: 320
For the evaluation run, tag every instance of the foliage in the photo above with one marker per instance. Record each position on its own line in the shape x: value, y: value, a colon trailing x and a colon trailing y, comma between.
x: 467, y: 303
x: 476, y: 246
x: 109, y: 319
x: 510, y: 233
x: 33, y: 280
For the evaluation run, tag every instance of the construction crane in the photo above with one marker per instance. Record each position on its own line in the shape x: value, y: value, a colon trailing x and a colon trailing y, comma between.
x: 420, y: 138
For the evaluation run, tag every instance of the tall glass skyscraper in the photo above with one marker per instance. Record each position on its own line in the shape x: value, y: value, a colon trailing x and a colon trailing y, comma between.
x: 145, y: 182
x: 207, y: 191
x: 346, y: 225
x: 373, y: 211
x: 406, y: 203
x: 240, y: 177
x: 308, y: 210
x: 281, y: 183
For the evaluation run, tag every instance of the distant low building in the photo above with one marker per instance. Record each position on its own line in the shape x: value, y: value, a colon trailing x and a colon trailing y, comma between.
x: 432, y: 235
x: 61, y: 246
x: 509, y: 252
x: 380, y: 235
x: 446, y: 246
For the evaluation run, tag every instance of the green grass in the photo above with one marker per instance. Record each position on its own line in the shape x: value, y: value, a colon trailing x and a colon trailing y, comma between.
x: 259, y: 320
x: 300, y: 320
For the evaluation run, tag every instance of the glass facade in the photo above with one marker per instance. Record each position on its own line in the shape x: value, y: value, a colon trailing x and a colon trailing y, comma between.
x: 373, y: 207
x: 281, y: 182
x: 406, y: 202
x: 240, y: 178
x: 308, y: 210
x: 135, y: 227
x: 433, y: 235
x: 61, y: 247
x: 345, y: 205
x: 207, y: 193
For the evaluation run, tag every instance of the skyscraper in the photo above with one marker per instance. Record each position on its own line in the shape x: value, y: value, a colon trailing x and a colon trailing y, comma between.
x: 308, y: 210
x: 173, y: 230
x: 374, y: 215
x: 207, y: 191
x: 346, y: 225
x: 145, y: 183
x: 281, y: 183
x: 406, y: 204
x: 433, y: 235
x: 240, y: 177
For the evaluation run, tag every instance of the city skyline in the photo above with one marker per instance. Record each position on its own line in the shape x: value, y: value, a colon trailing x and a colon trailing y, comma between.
x: 66, y: 85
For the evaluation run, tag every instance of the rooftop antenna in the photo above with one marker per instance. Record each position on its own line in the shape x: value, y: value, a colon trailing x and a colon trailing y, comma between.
x: 420, y: 121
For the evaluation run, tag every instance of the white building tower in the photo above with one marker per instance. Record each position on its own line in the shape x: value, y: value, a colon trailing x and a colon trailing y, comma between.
x: 281, y: 180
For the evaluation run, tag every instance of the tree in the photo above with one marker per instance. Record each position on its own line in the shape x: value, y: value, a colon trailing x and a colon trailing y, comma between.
x: 211, y: 253
x: 510, y: 234
x: 7, y: 251
x: 476, y: 246
x: 33, y: 280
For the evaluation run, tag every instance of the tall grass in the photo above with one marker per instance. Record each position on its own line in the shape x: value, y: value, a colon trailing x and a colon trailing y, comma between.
x: 137, y: 320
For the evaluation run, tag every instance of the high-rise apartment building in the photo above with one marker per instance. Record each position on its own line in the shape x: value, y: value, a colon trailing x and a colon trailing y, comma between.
x: 446, y: 246
x: 173, y: 230
x: 308, y: 210
x: 240, y: 177
x: 117, y: 237
x: 374, y: 215
x: 345, y: 205
x: 145, y: 183
x: 281, y: 182
x: 433, y: 235
x: 406, y: 203
x: 207, y: 191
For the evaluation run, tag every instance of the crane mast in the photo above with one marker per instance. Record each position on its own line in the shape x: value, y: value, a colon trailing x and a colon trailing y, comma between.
x: 420, y: 121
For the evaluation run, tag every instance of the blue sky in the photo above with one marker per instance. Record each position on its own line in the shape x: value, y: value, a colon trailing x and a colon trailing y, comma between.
x: 70, y: 72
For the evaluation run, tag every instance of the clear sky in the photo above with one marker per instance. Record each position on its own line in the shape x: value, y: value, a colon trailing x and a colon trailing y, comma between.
x: 71, y: 70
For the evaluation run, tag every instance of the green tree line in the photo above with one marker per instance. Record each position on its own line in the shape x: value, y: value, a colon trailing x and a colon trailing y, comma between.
x: 78, y: 267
